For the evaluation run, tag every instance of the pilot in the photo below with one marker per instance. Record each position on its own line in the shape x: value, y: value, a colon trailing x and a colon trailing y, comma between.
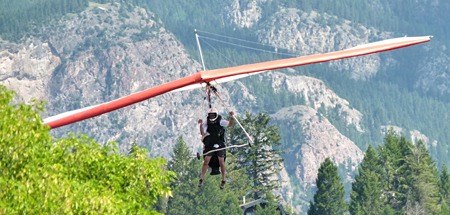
x: 213, y: 137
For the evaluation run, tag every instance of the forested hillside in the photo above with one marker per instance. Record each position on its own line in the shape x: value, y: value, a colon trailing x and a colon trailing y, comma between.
x: 19, y: 18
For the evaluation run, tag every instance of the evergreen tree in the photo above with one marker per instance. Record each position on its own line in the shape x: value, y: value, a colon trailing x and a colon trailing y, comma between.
x: 367, y: 190
x: 444, y: 186
x: 422, y: 178
x: 186, y: 168
x: 392, y: 157
x: 17, y: 18
x: 269, y: 207
x: 262, y: 161
x: 329, y: 198
x: 411, y: 184
x: 209, y: 199
x: 182, y: 162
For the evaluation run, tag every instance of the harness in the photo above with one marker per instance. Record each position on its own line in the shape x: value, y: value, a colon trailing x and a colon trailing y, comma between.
x: 216, y: 131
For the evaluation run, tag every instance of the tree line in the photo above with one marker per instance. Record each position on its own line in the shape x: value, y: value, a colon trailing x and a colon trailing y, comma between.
x: 40, y: 174
x: 22, y: 17
x: 397, y: 178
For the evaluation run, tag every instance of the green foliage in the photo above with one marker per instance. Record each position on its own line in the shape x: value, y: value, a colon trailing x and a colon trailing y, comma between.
x: 182, y: 17
x: 73, y: 175
x: 23, y: 138
x: 181, y: 161
x: 270, y: 206
x: 209, y: 199
x: 367, y: 196
x: 329, y: 197
x: 269, y: 209
x: 444, y: 186
x: 392, y: 155
x: 269, y: 100
x: 399, y: 178
x: 262, y: 161
x: 423, y: 189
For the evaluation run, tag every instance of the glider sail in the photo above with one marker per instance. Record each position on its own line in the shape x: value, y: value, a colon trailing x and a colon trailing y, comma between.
x: 226, y: 74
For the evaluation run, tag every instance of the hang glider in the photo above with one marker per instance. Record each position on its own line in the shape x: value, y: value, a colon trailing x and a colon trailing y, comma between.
x: 225, y: 74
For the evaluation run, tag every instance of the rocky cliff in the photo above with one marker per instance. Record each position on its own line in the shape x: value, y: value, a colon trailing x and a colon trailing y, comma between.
x: 99, y: 55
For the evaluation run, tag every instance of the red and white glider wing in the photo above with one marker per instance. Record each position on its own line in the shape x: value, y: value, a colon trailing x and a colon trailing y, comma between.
x: 220, y: 75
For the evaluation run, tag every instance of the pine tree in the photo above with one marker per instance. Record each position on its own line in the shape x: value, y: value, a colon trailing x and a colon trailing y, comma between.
x: 268, y: 208
x: 444, y: 186
x: 367, y: 195
x: 209, y: 199
x: 411, y: 184
x: 329, y: 198
x: 181, y: 162
x: 422, y: 178
x: 262, y: 161
x: 392, y: 157
x: 186, y: 169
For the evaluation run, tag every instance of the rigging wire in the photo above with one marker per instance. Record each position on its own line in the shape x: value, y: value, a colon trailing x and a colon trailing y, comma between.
x: 246, y: 41
x: 248, y: 47
x: 220, y: 53
x: 238, y: 39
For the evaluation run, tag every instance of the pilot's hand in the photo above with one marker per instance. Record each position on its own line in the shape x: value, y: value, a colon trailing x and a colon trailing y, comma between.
x: 200, y: 121
x: 231, y: 113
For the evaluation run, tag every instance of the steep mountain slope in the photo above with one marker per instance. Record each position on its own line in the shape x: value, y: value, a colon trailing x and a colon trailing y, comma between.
x: 99, y: 55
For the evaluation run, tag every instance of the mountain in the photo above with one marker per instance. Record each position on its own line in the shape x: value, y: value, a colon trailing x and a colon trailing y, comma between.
x: 107, y: 50
x: 99, y: 55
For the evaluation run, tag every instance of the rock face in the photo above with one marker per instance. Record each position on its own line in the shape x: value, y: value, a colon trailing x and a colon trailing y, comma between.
x: 102, y: 54
x: 318, y: 139
x: 113, y: 53
x: 307, y: 33
x: 317, y: 96
x: 25, y: 68
x: 435, y: 74
x: 310, y: 137
x: 244, y: 14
